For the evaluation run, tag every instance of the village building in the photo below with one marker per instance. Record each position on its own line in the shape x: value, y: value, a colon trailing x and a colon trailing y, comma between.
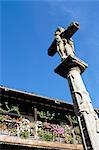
x: 30, y: 121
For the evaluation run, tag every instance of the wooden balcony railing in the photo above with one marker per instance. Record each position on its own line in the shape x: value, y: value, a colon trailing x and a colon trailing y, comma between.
x: 43, y: 131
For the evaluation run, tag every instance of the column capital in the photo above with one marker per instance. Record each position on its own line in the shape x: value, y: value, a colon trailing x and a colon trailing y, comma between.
x: 69, y: 63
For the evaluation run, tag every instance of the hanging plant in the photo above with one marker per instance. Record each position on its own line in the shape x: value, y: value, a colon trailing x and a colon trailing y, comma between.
x: 46, y: 115
x: 14, y: 109
x: 42, y: 115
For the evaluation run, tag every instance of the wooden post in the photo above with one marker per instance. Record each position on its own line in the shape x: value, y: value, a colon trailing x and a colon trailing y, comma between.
x: 35, y: 120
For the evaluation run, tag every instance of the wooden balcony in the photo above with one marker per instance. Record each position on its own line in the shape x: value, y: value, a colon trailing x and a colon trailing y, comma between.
x: 29, y: 121
x: 7, y: 141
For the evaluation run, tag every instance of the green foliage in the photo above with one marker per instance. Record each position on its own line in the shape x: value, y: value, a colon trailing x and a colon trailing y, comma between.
x: 46, y: 136
x: 13, y: 131
x: 70, y: 140
x: 1, y: 118
x: 78, y: 137
x: 46, y: 115
x: 72, y: 120
x: 77, y: 130
x: 24, y: 134
x: 14, y: 109
x: 42, y: 115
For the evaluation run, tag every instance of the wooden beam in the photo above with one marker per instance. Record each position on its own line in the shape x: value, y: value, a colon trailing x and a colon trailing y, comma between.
x: 4, y: 139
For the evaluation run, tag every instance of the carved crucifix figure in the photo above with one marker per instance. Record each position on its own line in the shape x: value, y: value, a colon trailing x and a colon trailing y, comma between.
x: 65, y: 47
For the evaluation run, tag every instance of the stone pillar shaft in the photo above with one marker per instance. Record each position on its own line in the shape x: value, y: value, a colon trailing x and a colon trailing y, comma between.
x: 71, y: 69
x: 84, y: 110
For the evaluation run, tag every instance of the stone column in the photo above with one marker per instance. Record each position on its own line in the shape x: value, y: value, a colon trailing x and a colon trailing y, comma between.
x: 71, y: 69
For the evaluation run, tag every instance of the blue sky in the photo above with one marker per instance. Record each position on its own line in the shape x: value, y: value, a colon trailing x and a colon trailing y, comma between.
x: 27, y: 29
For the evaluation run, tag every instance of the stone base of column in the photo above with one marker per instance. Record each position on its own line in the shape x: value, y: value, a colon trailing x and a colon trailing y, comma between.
x: 69, y: 63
